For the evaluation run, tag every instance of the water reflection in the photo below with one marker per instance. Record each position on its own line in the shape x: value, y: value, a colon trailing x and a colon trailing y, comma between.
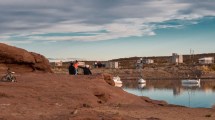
x: 174, y: 92
x: 141, y: 86
x: 191, y: 85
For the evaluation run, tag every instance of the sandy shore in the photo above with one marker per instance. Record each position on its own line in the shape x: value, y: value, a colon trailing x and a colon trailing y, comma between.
x: 46, y: 96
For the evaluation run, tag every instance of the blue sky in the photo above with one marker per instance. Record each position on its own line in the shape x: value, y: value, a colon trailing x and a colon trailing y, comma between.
x: 108, y: 29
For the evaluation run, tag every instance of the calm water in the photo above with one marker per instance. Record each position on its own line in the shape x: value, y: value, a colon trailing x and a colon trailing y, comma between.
x: 173, y: 92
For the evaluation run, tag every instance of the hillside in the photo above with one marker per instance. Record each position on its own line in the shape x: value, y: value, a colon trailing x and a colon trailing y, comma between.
x: 45, y: 96
x: 159, y: 60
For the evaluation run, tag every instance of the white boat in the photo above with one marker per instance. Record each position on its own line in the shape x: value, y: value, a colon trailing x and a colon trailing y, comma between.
x: 117, y: 80
x: 118, y: 84
x: 190, y: 81
x: 141, y: 81
x: 140, y: 86
x: 191, y: 85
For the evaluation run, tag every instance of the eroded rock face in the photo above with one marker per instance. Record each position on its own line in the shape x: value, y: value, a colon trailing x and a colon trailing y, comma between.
x: 109, y: 79
x: 20, y: 60
x: 41, y: 63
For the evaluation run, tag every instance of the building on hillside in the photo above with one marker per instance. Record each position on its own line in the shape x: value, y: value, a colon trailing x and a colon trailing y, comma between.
x: 148, y: 61
x: 176, y: 58
x: 58, y: 63
x: 206, y: 60
x: 112, y: 64
x: 80, y: 63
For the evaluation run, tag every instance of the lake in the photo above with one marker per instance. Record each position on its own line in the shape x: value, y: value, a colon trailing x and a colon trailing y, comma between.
x: 172, y: 91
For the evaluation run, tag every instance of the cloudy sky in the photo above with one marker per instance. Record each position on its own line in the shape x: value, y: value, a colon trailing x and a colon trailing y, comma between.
x: 108, y: 29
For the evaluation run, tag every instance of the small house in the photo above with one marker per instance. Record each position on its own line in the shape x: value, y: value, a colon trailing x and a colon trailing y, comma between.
x: 80, y: 63
x: 176, y: 58
x: 206, y: 60
x: 112, y: 64
x: 58, y: 63
x: 148, y: 61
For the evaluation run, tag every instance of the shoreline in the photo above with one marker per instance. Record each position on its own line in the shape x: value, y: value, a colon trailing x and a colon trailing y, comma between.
x: 51, y: 96
x: 205, y: 78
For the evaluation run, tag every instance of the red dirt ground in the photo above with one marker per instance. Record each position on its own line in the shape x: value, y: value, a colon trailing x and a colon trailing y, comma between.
x: 47, y: 96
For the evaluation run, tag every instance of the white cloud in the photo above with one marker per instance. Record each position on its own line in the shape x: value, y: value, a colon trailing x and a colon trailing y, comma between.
x: 120, y: 18
x: 15, y: 42
x: 187, y: 17
x: 170, y: 26
x: 4, y: 37
x: 126, y: 28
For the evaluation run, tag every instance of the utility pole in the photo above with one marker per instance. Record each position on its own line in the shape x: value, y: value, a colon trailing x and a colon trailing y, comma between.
x: 139, y: 67
x: 191, y: 55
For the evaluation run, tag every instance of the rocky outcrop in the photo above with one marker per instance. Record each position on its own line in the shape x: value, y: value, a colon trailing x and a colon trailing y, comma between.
x: 42, y: 63
x: 20, y: 60
x: 108, y: 79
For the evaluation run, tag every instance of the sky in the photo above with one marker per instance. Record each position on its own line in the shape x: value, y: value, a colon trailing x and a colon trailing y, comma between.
x: 108, y: 29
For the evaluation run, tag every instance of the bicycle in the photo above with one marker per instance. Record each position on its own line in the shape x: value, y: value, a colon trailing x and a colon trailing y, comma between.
x: 9, y: 77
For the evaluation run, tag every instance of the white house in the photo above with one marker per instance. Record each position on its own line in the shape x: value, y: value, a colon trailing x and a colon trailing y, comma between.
x: 206, y: 60
x: 58, y: 63
x: 81, y: 63
x: 148, y: 61
x: 112, y: 64
x: 177, y: 58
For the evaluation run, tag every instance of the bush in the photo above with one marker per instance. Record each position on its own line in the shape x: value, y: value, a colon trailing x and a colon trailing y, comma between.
x: 205, y: 69
x: 213, y: 67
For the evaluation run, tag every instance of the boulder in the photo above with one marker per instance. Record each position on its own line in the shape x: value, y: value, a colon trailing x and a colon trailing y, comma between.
x: 10, y: 55
x: 20, y: 60
x: 109, y: 79
x: 41, y: 63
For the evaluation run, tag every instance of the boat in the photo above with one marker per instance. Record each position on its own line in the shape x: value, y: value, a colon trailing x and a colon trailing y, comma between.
x: 141, y: 81
x: 118, y: 84
x: 117, y: 80
x: 191, y: 85
x: 141, y: 86
x: 190, y: 81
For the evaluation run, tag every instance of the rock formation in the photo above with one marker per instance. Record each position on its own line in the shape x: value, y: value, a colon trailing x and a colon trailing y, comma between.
x: 109, y: 79
x: 20, y: 60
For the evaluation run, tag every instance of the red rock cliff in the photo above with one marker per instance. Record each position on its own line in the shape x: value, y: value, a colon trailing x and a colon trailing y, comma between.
x: 20, y: 60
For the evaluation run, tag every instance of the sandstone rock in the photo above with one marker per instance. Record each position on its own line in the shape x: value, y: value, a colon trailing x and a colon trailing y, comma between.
x: 20, y: 60
x: 108, y: 79
x: 41, y: 63
x: 10, y: 55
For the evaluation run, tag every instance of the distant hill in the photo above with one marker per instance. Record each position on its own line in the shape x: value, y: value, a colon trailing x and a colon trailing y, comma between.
x: 130, y: 62
x: 165, y: 59
x: 65, y: 59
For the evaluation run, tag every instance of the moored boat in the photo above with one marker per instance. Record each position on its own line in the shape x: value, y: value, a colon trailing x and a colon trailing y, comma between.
x: 140, y: 86
x: 117, y: 80
x: 190, y: 81
x: 191, y: 85
x: 141, y: 81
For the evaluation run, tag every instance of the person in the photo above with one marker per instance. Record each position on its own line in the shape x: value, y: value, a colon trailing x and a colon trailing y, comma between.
x: 99, y: 64
x: 86, y: 70
x: 8, y: 70
x: 76, y: 67
x: 9, y: 74
x: 95, y: 65
x: 72, y: 69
